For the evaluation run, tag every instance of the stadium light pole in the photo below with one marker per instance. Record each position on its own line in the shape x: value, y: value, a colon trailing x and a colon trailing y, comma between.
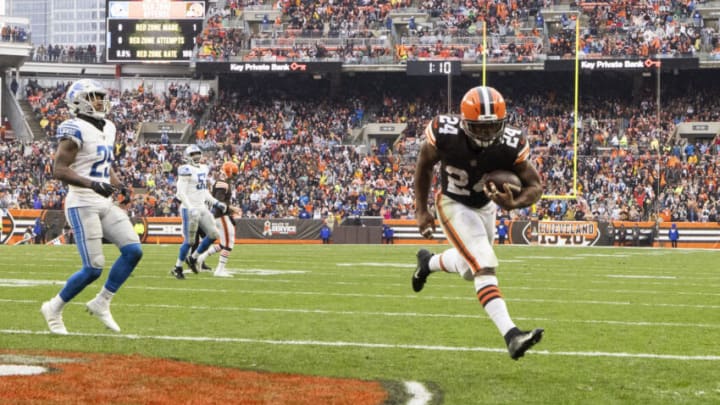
x: 449, y: 92
x: 484, y: 51
x: 657, y: 64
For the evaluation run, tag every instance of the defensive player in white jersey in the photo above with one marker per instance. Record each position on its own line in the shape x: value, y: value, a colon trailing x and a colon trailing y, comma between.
x: 192, y: 191
x: 84, y: 160
x: 222, y: 190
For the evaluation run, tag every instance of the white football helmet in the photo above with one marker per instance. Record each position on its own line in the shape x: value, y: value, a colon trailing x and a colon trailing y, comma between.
x: 83, y: 97
x: 193, y: 154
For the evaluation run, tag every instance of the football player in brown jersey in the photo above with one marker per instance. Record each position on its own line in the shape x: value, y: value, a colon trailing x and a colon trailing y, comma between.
x: 467, y: 146
x: 222, y: 190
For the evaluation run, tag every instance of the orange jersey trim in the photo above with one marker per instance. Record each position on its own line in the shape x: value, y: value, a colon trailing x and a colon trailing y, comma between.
x: 524, y: 154
x: 429, y: 135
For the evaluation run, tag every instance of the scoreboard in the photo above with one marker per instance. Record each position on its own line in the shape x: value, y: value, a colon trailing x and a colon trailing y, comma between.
x: 433, y: 68
x: 153, y: 30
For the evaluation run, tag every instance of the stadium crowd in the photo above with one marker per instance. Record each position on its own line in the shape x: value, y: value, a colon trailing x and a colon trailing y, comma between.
x: 295, y: 160
x: 630, y: 163
x: 176, y: 105
x: 364, y: 32
x: 14, y: 33
x: 665, y: 29
x: 66, y: 54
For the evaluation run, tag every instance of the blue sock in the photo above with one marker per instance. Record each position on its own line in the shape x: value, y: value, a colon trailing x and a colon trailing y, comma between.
x: 206, y: 242
x: 78, y: 281
x: 184, y: 249
x: 124, y: 265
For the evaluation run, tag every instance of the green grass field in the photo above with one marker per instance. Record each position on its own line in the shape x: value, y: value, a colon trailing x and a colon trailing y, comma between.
x: 622, y: 325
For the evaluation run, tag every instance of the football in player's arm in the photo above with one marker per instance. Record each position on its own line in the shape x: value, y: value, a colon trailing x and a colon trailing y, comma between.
x: 467, y: 146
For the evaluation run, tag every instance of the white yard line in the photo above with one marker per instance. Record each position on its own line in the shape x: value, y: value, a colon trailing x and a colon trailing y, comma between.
x: 431, y: 297
x: 640, y: 276
x: 479, y: 315
x: 463, y: 297
x: 365, y: 345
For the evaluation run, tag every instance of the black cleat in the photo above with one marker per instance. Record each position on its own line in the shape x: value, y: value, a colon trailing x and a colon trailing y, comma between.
x: 205, y: 267
x: 178, y: 273
x: 422, y: 271
x: 192, y: 262
x: 522, y: 342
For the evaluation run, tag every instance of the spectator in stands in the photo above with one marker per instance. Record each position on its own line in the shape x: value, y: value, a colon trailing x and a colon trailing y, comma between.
x: 14, y: 86
x: 502, y: 231
x: 622, y: 234
x: 412, y: 26
x: 636, y: 235
x: 673, y: 235
x: 325, y: 233
x: 388, y: 235
x: 39, y: 231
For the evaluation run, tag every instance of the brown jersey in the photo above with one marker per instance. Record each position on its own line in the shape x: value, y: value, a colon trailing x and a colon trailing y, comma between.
x: 463, y: 163
x: 222, y: 192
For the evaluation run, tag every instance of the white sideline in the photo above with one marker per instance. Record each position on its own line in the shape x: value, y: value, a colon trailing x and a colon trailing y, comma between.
x: 426, y: 297
x: 653, y: 356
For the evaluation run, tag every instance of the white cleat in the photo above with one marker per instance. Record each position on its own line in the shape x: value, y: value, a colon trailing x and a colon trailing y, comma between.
x: 201, y: 264
x: 54, y: 319
x: 224, y: 274
x: 102, y: 312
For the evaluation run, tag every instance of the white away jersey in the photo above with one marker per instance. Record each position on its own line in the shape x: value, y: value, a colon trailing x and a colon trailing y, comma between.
x: 192, y: 188
x: 93, y: 160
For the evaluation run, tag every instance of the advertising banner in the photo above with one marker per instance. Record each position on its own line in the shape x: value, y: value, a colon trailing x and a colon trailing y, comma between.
x: 590, y: 65
x: 168, y: 230
x: 268, y: 67
x: 279, y: 229
x: 556, y: 233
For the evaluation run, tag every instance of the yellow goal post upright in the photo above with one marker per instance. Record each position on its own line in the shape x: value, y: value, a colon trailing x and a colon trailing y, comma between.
x: 534, y: 235
x: 576, y: 96
x: 574, y: 194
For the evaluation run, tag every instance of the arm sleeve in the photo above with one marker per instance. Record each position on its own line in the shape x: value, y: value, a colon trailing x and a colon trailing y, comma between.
x: 209, y: 198
x: 181, y: 192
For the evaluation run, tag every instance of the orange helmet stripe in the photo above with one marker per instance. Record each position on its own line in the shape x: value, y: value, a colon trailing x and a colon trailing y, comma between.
x: 487, y: 99
x: 498, y: 104
x: 482, y: 102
